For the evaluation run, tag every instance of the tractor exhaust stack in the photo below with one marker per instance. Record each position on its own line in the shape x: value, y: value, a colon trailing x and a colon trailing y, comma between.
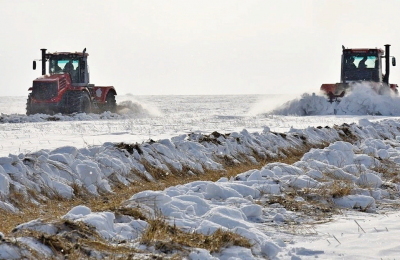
x: 387, y: 64
x: 43, y: 61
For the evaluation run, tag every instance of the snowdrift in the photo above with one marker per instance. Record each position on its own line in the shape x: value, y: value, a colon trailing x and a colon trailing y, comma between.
x: 361, y: 100
x: 126, y: 109
x: 241, y: 204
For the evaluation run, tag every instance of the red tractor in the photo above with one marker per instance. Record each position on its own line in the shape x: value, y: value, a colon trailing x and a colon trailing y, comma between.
x: 66, y: 89
x: 362, y: 65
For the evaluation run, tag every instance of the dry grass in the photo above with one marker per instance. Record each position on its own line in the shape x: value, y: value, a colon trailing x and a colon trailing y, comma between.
x: 389, y: 170
x: 76, y: 240
x: 167, y: 238
x: 318, y: 201
x: 292, y: 155
x: 338, y: 189
x: 346, y: 134
x: 312, y: 206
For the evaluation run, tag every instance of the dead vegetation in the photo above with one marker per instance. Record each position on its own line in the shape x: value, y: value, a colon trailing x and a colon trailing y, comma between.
x: 74, y: 240
x: 390, y: 170
x: 130, y: 147
x: 345, y: 133
x: 338, y: 189
x: 169, y: 239
x: 314, y: 207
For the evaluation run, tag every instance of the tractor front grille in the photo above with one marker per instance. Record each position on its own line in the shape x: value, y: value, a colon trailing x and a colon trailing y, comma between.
x: 44, y: 90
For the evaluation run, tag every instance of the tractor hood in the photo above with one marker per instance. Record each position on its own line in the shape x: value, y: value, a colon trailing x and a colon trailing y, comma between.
x: 61, y: 80
x: 52, y: 78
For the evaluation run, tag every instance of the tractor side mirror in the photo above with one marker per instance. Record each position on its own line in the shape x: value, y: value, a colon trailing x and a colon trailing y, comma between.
x: 34, y: 65
x: 393, y: 61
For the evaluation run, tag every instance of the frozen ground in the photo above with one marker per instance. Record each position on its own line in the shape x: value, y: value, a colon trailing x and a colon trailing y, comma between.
x: 52, y: 156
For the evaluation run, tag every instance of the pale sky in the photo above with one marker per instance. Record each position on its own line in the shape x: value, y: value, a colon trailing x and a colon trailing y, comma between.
x: 185, y: 47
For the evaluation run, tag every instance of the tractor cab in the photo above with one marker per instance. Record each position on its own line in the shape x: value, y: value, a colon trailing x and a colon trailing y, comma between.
x: 73, y: 63
x: 361, y: 65
x: 366, y: 65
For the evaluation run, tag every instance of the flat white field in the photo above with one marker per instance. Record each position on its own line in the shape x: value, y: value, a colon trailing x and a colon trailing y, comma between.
x: 150, y: 117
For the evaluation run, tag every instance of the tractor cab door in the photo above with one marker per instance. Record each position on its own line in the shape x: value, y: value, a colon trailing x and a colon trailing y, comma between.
x: 80, y: 70
x: 83, y: 71
x: 80, y: 74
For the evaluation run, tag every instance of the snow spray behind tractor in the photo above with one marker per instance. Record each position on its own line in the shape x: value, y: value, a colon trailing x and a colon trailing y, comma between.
x: 66, y: 88
x: 362, y: 66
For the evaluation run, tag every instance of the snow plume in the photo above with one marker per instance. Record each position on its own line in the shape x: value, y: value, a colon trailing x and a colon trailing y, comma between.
x: 267, y: 104
x: 361, y: 99
x: 131, y: 107
x: 127, y: 105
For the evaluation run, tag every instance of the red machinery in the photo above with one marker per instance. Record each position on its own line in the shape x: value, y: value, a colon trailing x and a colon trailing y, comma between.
x: 362, y: 65
x: 66, y: 89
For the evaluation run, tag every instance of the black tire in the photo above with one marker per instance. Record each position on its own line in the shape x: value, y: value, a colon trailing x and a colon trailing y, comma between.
x: 29, y: 108
x: 84, y: 105
x: 76, y: 102
x: 65, y: 103
x: 111, y: 103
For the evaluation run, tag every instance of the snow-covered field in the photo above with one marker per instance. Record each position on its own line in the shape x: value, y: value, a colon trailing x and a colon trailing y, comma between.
x: 150, y: 117
x: 50, y: 155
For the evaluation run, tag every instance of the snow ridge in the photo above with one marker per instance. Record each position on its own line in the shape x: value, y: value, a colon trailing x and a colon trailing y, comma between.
x: 95, y: 168
x: 205, y: 206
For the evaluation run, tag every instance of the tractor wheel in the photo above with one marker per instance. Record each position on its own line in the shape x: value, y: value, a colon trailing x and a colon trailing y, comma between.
x: 66, y: 105
x: 29, y: 109
x: 77, y: 102
x: 111, y: 103
x: 84, y: 103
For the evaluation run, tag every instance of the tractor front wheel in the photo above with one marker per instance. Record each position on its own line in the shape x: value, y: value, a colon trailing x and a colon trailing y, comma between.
x: 77, y: 102
x: 29, y: 109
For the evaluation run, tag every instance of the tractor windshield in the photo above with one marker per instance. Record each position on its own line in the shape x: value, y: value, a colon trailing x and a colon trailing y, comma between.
x: 361, y: 67
x: 66, y: 65
x: 63, y: 65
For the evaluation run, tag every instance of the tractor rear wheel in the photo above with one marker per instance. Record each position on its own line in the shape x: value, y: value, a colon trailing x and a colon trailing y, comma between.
x: 111, y: 103
x: 77, y: 102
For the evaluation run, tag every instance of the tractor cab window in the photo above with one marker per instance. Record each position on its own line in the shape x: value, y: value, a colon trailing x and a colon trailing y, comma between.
x: 70, y: 66
x: 361, y: 62
x: 366, y: 62
x: 61, y: 66
x: 54, y: 67
x: 364, y: 67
